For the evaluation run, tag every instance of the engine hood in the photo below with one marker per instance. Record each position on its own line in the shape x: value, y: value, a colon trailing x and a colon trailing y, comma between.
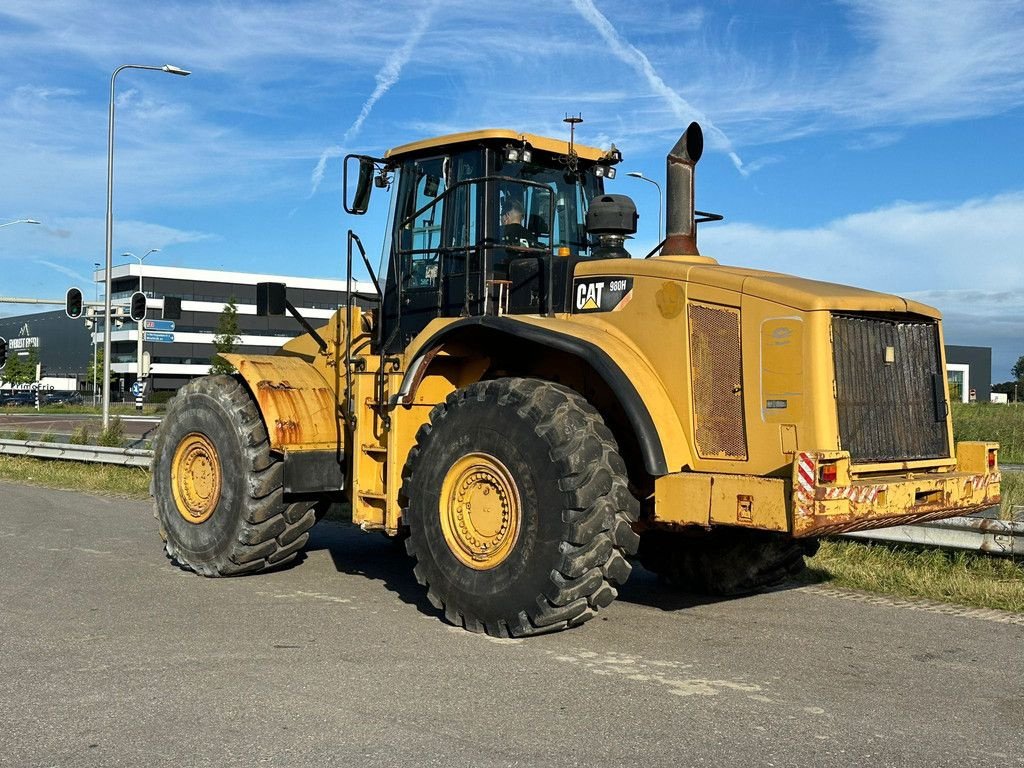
x: 796, y: 292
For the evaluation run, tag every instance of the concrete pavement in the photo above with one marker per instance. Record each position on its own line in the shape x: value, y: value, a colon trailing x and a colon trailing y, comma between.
x: 111, y: 656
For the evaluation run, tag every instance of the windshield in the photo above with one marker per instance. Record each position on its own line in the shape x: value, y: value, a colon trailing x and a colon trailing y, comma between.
x: 570, y: 193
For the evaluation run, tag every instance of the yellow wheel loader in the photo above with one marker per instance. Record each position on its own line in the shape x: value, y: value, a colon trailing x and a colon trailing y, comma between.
x: 531, y: 407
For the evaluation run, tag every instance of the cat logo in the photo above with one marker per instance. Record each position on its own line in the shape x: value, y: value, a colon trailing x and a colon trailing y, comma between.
x: 601, y: 294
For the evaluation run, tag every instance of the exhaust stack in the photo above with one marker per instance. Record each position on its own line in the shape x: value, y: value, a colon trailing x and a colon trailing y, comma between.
x: 681, y: 230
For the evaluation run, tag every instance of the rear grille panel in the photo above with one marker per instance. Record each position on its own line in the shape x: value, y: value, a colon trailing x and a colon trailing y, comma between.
x: 889, y: 411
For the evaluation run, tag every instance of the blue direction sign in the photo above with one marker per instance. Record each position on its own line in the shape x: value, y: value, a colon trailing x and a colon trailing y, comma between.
x: 158, y: 325
x: 157, y: 336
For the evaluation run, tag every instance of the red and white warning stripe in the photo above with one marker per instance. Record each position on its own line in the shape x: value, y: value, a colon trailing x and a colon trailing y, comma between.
x: 980, y: 482
x: 805, y: 471
x: 859, y: 494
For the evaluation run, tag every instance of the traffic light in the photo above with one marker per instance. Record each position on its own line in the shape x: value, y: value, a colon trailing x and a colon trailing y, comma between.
x: 73, y: 303
x: 3, y: 351
x: 137, y: 311
x: 172, y: 308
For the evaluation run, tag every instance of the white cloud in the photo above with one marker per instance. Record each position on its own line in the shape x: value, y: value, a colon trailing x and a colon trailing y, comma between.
x: 64, y: 270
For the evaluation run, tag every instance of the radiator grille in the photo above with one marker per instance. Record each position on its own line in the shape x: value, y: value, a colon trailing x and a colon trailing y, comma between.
x: 716, y: 367
x: 889, y: 411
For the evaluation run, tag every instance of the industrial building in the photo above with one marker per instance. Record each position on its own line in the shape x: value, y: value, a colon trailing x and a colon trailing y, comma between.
x: 969, y: 372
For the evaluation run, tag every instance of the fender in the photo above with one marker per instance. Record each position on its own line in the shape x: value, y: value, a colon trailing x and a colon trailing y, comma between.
x: 296, y: 402
x: 640, y: 393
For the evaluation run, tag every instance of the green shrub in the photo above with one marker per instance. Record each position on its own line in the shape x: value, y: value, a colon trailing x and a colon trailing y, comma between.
x: 113, y: 435
x: 21, y: 434
x: 80, y: 436
x: 162, y: 396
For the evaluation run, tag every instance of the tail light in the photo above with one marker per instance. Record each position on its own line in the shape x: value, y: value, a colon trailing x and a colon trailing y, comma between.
x: 992, y: 459
x: 827, y: 473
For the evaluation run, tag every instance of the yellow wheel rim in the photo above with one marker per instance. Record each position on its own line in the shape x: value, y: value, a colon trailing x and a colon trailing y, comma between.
x: 196, y: 478
x: 480, y: 511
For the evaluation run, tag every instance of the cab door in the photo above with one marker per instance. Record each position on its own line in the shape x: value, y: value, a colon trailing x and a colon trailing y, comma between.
x: 413, y: 296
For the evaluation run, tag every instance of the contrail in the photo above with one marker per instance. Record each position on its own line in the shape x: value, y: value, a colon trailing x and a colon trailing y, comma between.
x: 639, y: 61
x: 64, y: 270
x: 386, y: 77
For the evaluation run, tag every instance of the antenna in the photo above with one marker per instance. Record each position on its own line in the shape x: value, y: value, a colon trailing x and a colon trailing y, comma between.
x: 572, y: 120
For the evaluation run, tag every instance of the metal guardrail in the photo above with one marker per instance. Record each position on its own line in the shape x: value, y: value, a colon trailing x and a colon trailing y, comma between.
x: 97, y: 454
x: 978, y: 534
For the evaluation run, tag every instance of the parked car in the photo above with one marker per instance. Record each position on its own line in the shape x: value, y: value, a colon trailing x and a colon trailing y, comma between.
x: 12, y: 399
x: 63, y: 398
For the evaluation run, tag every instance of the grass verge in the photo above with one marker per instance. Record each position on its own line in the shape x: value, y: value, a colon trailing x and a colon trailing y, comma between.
x: 986, y: 421
x: 951, y: 576
x: 1011, y: 489
x: 132, y: 482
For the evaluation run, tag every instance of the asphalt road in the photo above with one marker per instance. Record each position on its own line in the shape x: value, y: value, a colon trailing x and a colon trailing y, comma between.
x: 110, y: 656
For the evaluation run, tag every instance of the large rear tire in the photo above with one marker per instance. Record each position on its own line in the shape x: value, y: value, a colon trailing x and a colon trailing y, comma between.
x: 518, y: 508
x: 725, y: 561
x: 217, y: 487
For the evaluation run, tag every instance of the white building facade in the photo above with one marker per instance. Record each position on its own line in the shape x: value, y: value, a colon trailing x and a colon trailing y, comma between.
x: 186, y: 351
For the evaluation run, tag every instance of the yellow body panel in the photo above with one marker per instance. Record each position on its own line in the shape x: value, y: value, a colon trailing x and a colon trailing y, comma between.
x: 298, y: 405
x: 556, y: 146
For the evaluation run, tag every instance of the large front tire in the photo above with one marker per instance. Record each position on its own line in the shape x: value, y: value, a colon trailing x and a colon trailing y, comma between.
x: 217, y: 487
x: 518, y: 508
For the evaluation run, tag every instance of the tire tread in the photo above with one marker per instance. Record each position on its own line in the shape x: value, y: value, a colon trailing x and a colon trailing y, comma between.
x: 273, y: 531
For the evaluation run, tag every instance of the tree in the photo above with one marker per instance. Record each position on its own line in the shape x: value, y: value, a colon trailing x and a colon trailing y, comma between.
x: 97, y: 369
x: 31, y: 363
x: 1018, y: 369
x: 227, y: 338
x: 12, y: 373
x: 21, y: 369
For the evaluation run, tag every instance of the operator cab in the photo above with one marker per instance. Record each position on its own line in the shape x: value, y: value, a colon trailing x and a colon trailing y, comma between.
x: 489, y: 222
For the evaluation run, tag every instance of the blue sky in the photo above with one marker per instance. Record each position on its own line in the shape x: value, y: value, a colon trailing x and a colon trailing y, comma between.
x: 866, y: 141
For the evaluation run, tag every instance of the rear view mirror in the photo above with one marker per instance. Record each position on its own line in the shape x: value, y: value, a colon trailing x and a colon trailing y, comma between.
x: 271, y: 299
x: 364, y: 184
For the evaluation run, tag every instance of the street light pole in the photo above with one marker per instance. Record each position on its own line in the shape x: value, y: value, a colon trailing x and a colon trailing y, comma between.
x: 638, y: 175
x: 110, y: 225
x: 138, y: 351
x: 95, y: 334
x: 20, y: 221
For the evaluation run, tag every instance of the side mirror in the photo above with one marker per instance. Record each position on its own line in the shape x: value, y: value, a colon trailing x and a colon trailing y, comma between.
x: 364, y: 184
x: 271, y: 299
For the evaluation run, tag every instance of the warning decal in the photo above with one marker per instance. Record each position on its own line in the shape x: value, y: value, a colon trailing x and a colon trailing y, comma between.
x: 601, y: 294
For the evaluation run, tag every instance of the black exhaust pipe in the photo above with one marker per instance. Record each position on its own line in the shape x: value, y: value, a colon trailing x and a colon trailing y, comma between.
x: 681, y: 229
